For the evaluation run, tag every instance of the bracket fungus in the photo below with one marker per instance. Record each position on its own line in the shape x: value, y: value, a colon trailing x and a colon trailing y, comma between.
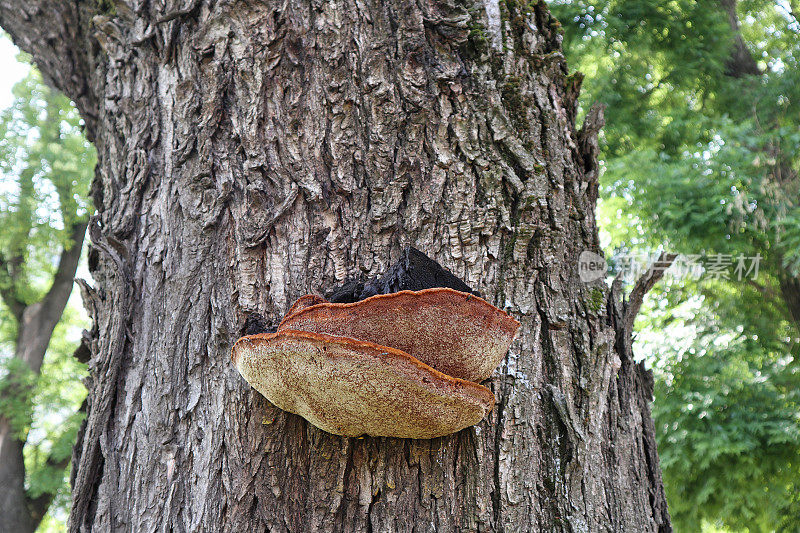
x: 404, y: 364
x: 454, y: 332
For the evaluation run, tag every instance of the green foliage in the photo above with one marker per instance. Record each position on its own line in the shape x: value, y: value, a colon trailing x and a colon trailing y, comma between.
x: 727, y: 428
x: 56, y: 415
x: 46, y: 166
x: 698, y: 158
x: 726, y: 413
x: 47, y: 414
x: 693, y: 151
x: 16, y: 394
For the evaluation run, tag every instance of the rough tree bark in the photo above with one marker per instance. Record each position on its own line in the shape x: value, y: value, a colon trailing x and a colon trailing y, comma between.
x: 251, y: 152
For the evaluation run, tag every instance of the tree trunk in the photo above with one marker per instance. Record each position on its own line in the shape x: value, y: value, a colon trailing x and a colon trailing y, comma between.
x: 15, y: 515
x: 35, y: 325
x: 252, y: 152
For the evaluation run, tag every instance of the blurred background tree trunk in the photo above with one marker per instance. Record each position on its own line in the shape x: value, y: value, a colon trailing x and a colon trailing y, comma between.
x: 35, y: 324
x: 250, y: 153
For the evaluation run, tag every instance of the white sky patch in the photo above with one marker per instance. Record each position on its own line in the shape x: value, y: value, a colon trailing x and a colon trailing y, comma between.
x: 493, y: 18
x: 12, y: 70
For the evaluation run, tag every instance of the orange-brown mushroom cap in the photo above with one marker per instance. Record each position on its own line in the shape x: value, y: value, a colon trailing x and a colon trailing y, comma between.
x: 454, y: 332
x: 353, y: 387
x: 305, y: 301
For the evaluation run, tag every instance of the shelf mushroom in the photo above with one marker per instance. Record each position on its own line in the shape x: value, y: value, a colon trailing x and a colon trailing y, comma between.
x: 404, y: 364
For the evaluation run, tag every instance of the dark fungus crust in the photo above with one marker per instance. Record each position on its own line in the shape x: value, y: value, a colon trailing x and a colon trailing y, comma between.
x: 413, y: 271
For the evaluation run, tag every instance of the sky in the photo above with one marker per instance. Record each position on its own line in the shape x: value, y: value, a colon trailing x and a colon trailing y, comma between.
x: 12, y: 70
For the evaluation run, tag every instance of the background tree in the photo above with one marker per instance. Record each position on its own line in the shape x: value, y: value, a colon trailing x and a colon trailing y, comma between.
x: 47, y: 166
x: 252, y: 152
x: 701, y: 156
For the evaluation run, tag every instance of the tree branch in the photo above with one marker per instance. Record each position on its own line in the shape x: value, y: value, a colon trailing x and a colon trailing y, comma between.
x: 38, y: 506
x: 790, y: 289
x: 741, y: 62
x: 624, y: 312
x: 765, y: 291
x: 60, y: 289
x: 56, y: 34
x: 40, y: 319
x: 643, y: 286
x: 8, y: 291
